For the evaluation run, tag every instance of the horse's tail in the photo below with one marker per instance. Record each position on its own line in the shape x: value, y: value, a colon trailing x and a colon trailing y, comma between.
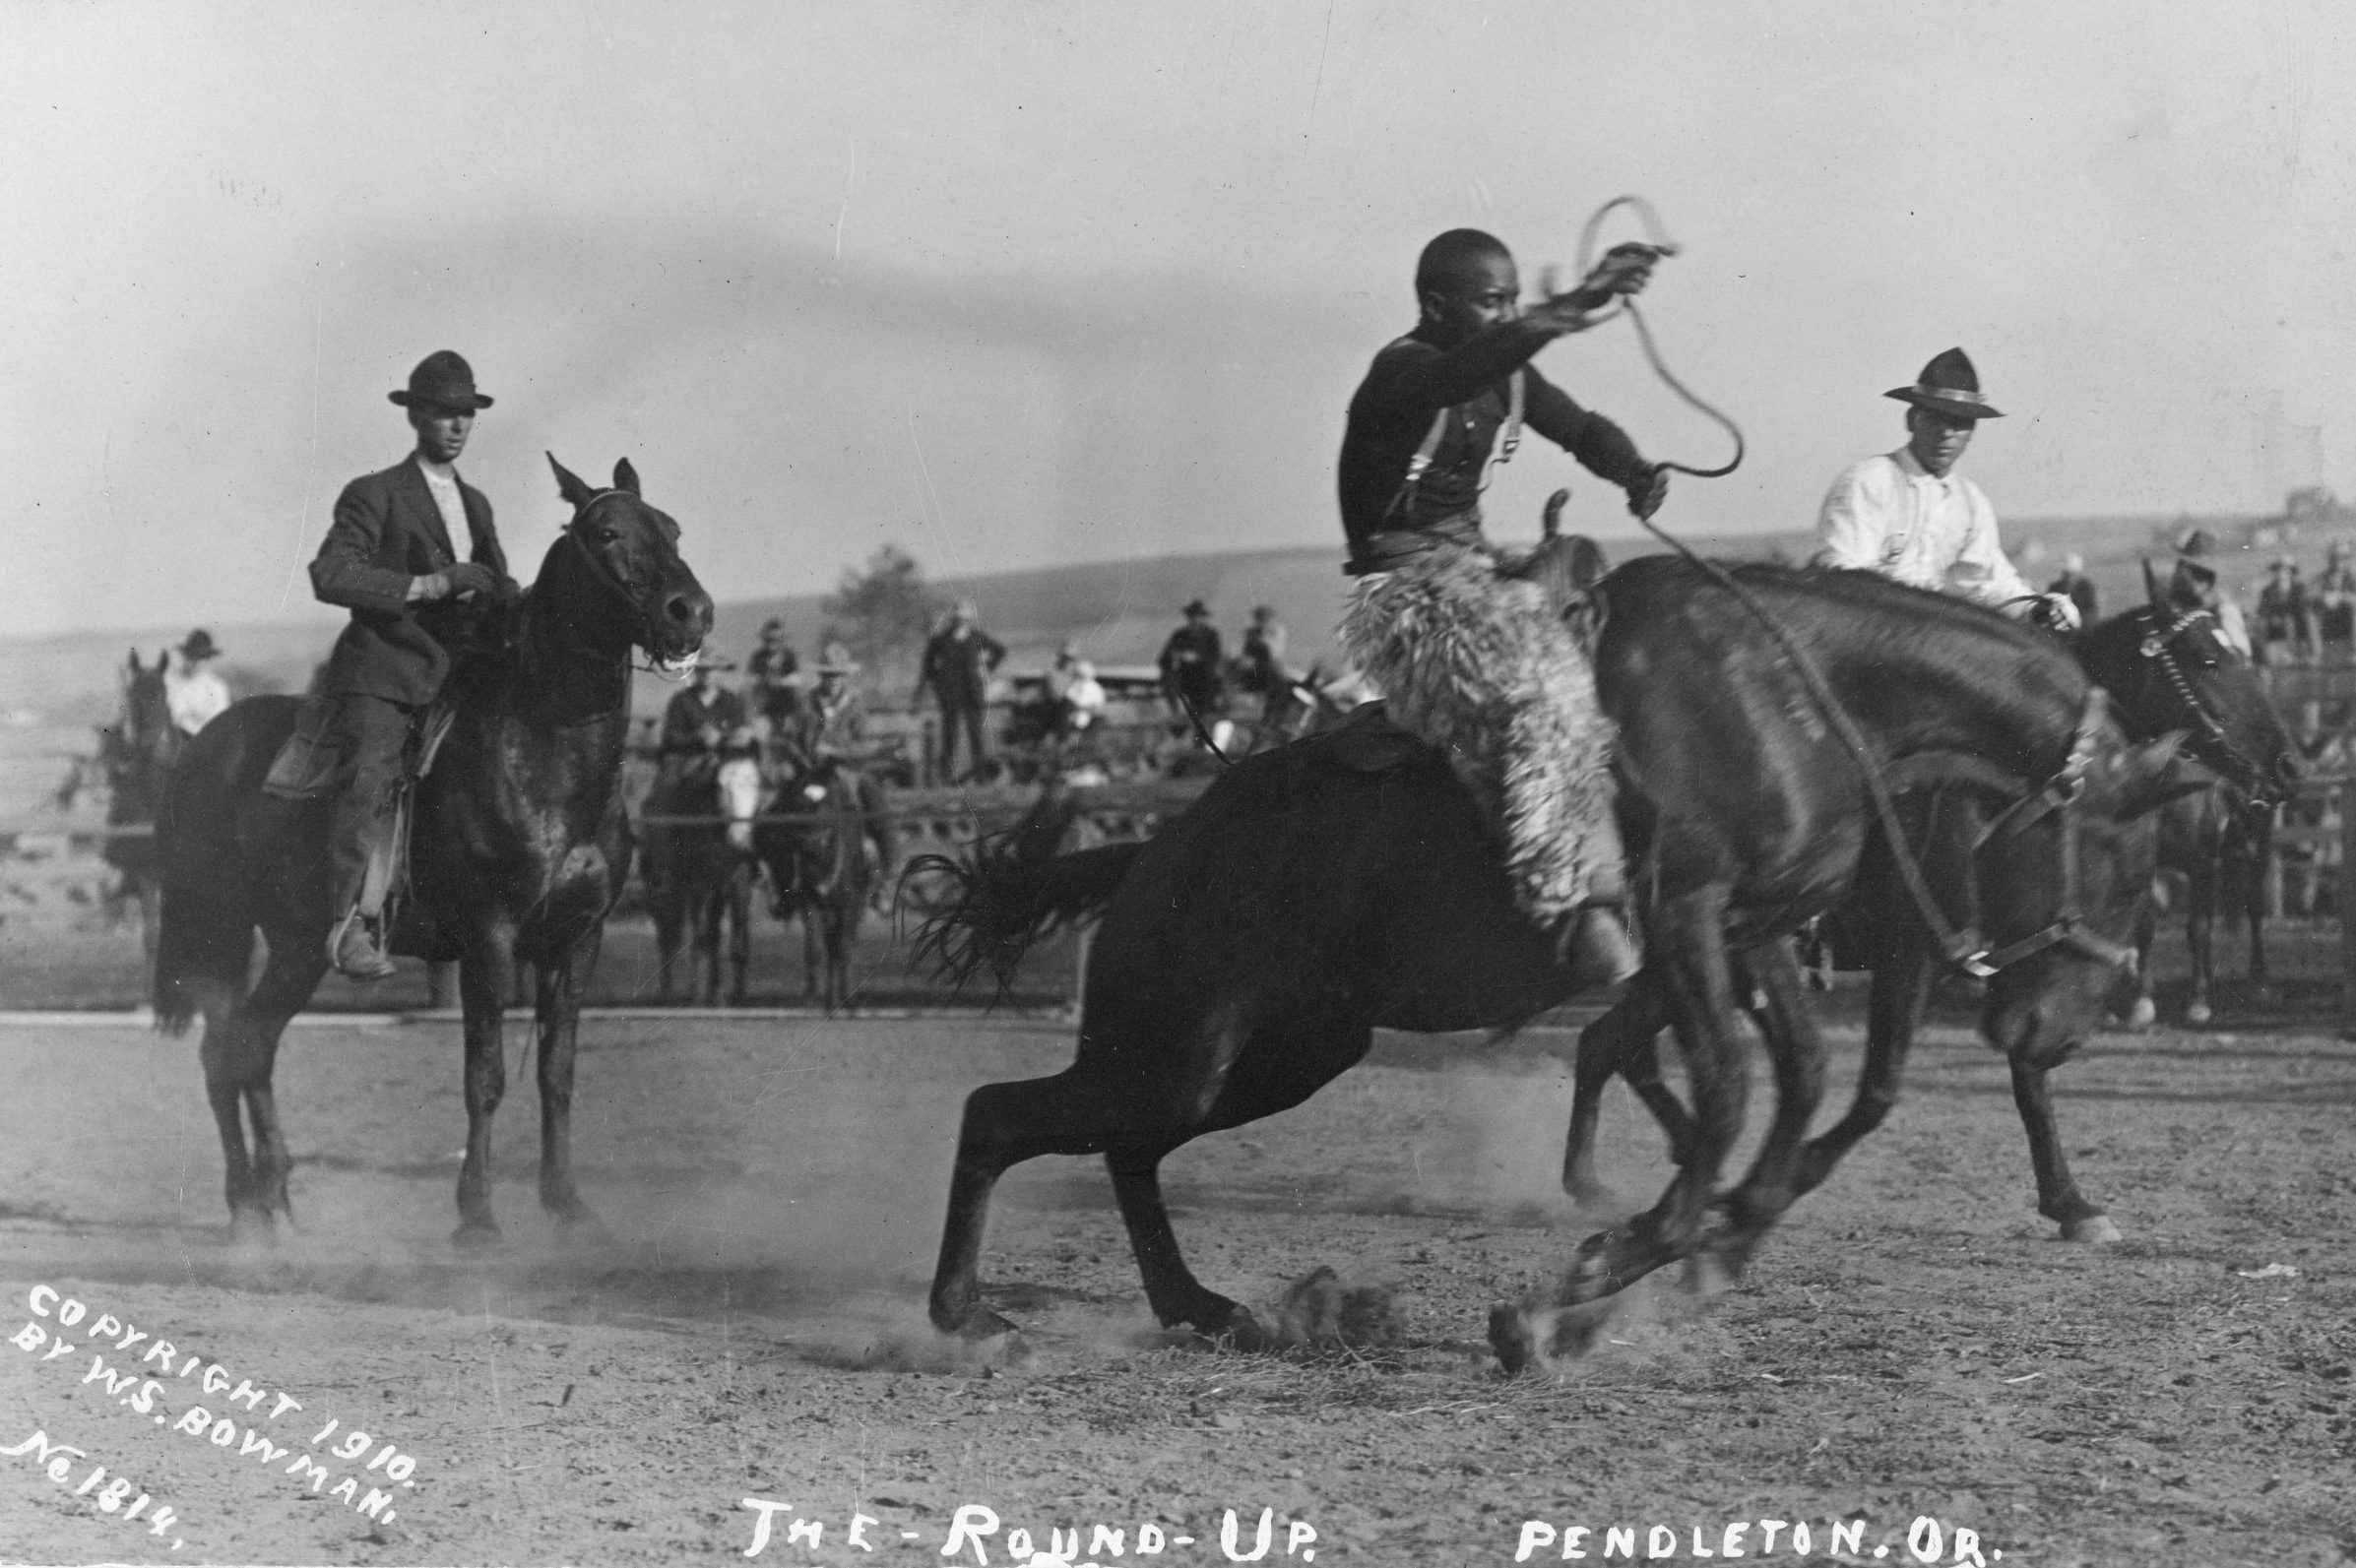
x: 1014, y: 890
x: 203, y: 933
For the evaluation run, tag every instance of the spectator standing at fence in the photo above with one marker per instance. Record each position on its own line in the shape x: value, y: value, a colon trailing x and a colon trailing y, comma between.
x: 2284, y: 614
x: 2332, y: 601
x: 1193, y: 671
x: 958, y: 662
x: 2075, y: 586
x: 773, y: 668
x: 195, y: 694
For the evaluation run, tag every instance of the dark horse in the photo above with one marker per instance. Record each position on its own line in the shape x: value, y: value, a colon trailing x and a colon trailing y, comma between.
x: 2182, y: 675
x: 1318, y: 891
x: 815, y: 851
x: 2166, y: 672
x: 135, y: 757
x: 698, y: 875
x: 519, y: 847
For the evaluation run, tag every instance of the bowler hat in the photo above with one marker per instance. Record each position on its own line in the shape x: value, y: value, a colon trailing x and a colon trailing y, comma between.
x: 1950, y: 386
x: 442, y: 379
x: 198, y: 646
x: 1196, y: 607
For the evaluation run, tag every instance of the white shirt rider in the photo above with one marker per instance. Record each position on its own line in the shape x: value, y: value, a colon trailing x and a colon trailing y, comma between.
x: 1910, y: 517
x: 195, y: 696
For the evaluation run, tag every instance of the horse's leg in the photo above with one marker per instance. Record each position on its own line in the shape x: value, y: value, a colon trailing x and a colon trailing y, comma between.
x: 227, y: 1053
x: 813, y: 952
x: 1796, y: 1046
x: 562, y: 982
x: 664, y: 906
x: 1687, y: 934
x: 740, y: 923
x: 483, y: 988
x: 1900, y: 992
x: 294, y: 971
x: 2058, y: 1195
x: 2147, y: 929
x: 2200, y: 935
x: 706, y: 944
x: 2257, y: 862
x: 151, y: 917
x: 1171, y: 1287
x: 1612, y: 1044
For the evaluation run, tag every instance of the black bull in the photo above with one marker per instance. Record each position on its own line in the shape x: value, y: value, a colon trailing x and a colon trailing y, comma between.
x: 1248, y: 952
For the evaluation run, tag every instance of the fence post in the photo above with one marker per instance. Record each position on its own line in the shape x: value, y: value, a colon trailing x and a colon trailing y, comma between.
x: 2345, y: 791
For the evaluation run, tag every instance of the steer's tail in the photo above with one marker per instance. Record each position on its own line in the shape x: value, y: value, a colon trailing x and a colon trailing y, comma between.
x: 1013, y: 891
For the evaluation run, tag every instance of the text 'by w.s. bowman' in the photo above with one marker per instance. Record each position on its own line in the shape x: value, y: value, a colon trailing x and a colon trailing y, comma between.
x: 141, y: 1375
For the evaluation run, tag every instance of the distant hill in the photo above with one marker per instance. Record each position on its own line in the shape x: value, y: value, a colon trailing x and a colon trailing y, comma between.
x: 54, y: 689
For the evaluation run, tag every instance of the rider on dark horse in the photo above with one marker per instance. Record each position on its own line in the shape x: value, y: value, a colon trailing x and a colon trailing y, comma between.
x: 1908, y: 516
x: 699, y: 726
x: 829, y: 728
x: 389, y: 557
x: 1470, y: 658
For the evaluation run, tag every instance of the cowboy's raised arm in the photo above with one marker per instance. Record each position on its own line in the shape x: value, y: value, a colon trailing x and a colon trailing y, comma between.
x: 1442, y: 378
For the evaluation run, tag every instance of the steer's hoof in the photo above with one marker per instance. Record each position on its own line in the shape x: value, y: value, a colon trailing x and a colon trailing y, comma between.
x: 2093, y: 1228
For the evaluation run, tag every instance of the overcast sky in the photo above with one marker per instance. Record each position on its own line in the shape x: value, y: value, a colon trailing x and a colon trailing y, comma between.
x: 1019, y: 284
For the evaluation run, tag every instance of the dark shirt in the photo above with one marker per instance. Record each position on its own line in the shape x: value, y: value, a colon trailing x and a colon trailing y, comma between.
x: 699, y: 724
x: 387, y: 530
x: 823, y: 726
x: 1190, y: 664
x: 957, y: 668
x: 2282, y: 611
x: 1410, y: 381
x: 771, y: 668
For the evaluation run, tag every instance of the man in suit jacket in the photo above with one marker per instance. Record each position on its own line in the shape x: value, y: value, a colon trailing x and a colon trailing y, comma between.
x: 391, y: 558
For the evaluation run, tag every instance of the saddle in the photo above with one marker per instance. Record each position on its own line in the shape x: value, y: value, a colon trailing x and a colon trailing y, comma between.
x: 309, y: 766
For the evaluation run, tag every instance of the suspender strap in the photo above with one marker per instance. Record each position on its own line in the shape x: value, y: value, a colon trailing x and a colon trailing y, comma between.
x: 1510, y: 439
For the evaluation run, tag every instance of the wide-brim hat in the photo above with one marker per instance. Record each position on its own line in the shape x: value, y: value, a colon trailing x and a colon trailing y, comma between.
x: 832, y: 666
x: 198, y: 646
x: 1196, y: 607
x: 1949, y: 385
x: 712, y: 658
x: 442, y: 379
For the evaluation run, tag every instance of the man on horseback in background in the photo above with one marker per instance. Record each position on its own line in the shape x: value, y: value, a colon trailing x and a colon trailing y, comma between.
x: 195, y: 694
x: 699, y: 722
x: 831, y: 728
x: 1909, y: 517
x: 389, y: 558
x: 1470, y: 659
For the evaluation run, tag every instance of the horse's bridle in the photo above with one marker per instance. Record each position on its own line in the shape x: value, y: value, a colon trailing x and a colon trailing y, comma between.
x: 2056, y: 797
x: 620, y: 586
x: 2162, y: 629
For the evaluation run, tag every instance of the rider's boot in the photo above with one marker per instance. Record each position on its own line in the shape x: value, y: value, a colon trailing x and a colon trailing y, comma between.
x: 1595, y: 943
x: 355, y: 949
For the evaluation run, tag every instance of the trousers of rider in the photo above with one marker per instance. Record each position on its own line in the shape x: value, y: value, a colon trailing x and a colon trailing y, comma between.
x: 370, y: 734
x: 953, y: 720
x: 873, y: 806
x: 1478, y: 664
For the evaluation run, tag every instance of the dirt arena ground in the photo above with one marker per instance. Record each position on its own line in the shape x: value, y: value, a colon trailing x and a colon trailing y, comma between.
x: 1913, y: 1346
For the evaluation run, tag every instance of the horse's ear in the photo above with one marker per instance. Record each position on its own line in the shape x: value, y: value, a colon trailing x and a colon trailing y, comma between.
x: 1550, y: 523
x: 626, y: 477
x: 1588, y: 566
x: 136, y: 667
x: 570, y: 485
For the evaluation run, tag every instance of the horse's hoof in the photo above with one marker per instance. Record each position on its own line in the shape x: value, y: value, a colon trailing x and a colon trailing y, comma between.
x: 2095, y: 1227
x: 2199, y: 1013
x: 978, y: 1325
x: 1712, y: 1272
x: 1592, y: 1196
x: 1515, y: 1339
x: 2143, y: 1014
x: 579, y: 1223
x: 475, y: 1235
x: 1243, y: 1332
x: 253, y: 1228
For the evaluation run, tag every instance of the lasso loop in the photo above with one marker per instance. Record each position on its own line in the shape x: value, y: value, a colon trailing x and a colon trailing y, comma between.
x: 1658, y: 238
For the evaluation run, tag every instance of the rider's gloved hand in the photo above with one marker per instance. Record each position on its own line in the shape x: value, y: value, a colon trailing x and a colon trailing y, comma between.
x: 1645, y: 495
x: 2055, y: 612
x: 507, y: 591
x: 470, y: 577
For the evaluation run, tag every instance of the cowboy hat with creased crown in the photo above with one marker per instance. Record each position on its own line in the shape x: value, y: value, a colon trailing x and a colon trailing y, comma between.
x: 1950, y: 386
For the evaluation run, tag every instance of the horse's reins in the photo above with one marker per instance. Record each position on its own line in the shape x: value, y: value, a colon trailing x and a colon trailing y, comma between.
x: 2155, y: 645
x: 1963, y: 949
x: 2055, y: 798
